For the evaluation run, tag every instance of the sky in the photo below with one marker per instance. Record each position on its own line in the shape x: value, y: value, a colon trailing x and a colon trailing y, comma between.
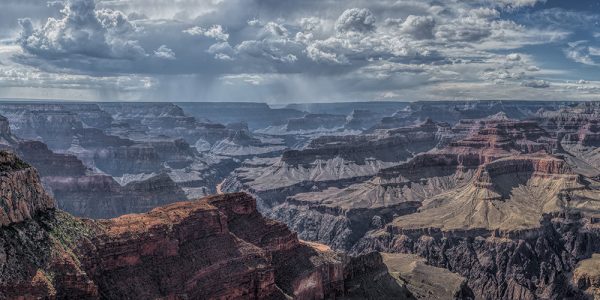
x: 291, y: 51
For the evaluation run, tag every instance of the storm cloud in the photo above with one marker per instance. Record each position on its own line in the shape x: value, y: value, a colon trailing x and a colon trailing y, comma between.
x: 290, y: 51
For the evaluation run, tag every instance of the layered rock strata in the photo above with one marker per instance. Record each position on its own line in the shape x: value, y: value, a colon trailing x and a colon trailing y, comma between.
x: 216, y: 247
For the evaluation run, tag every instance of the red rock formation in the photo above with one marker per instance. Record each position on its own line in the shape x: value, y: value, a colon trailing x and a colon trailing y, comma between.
x: 184, y: 250
x: 539, y: 165
x: 489, y: 140
x: 217, y: 247
x: 22, y: 194
x: 214, y: 248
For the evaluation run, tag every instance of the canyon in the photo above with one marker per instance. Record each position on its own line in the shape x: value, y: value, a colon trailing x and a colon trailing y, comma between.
x: 382, y: 200
x: 217, y: 247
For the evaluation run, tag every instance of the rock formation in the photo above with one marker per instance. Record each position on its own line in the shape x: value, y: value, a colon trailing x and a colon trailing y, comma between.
x: 329, y: 163
x: 50, y: 123
x: 49, y: 163
x: 587, y: 276
x: 513, y: 229
x: 256, y: 115
x: 458, y: 200
x: 217, y: 247
x: 100, y: 196
x: 23, y: 196
x: 316, y: 121
x: 401, y: 276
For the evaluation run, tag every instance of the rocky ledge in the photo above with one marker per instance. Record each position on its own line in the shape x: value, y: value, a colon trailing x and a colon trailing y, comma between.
x: 22, y: 195
x: 215, y: 247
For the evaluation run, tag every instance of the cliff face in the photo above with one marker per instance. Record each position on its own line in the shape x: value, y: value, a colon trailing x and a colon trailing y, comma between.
x: 6, y: 137
x: 339, y: 212
x: 578, y: 132
x: 515, y: 229
x: 301, y: 270
x: 300, y: 187
x: 49, y: 163
x: 49, y: 122
x: 527, y: 265
x: 401, y: 276
x: 23, y: 197
x: 100, y: 196
x: 383, y: 145
x: 216, y: 247
x: 184, y: 250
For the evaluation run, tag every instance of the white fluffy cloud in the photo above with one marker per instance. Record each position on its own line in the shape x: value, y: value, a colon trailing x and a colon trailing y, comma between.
x: 82, y: 30
x: 513, y: 57
x: 355, y: 19
x: 215, y: 31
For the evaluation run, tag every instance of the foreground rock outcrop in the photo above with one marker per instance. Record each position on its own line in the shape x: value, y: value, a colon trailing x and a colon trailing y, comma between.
x: 21, y: 194
x: 216, y: 247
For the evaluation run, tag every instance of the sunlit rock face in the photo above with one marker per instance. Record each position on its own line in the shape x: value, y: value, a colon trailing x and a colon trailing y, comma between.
x: 23, y: 196
x: 210, y: 248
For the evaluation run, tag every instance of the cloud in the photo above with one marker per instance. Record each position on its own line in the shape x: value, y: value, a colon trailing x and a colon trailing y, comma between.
x: 164, y: 52
x: 273, y: 50
x: 563, y: 18
x: 322, y: 50
x: 514, y: 4
x: 215, y: 31
x: 355, y: 19
x: 310, y: 23
x: 419, y: 27
x: 470, y: 25
x: 513, y: 57
x: 84, y: 31
x: 221, y: 51
x: 538, y: 84
x: 276, y: 29
x: 582, y: 53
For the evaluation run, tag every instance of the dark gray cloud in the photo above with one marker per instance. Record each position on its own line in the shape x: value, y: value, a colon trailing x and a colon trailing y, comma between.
x: 538, y: 84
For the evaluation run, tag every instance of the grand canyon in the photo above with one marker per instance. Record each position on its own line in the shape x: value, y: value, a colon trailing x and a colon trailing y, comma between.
x: 379, y: 200
x: 299, y: 150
